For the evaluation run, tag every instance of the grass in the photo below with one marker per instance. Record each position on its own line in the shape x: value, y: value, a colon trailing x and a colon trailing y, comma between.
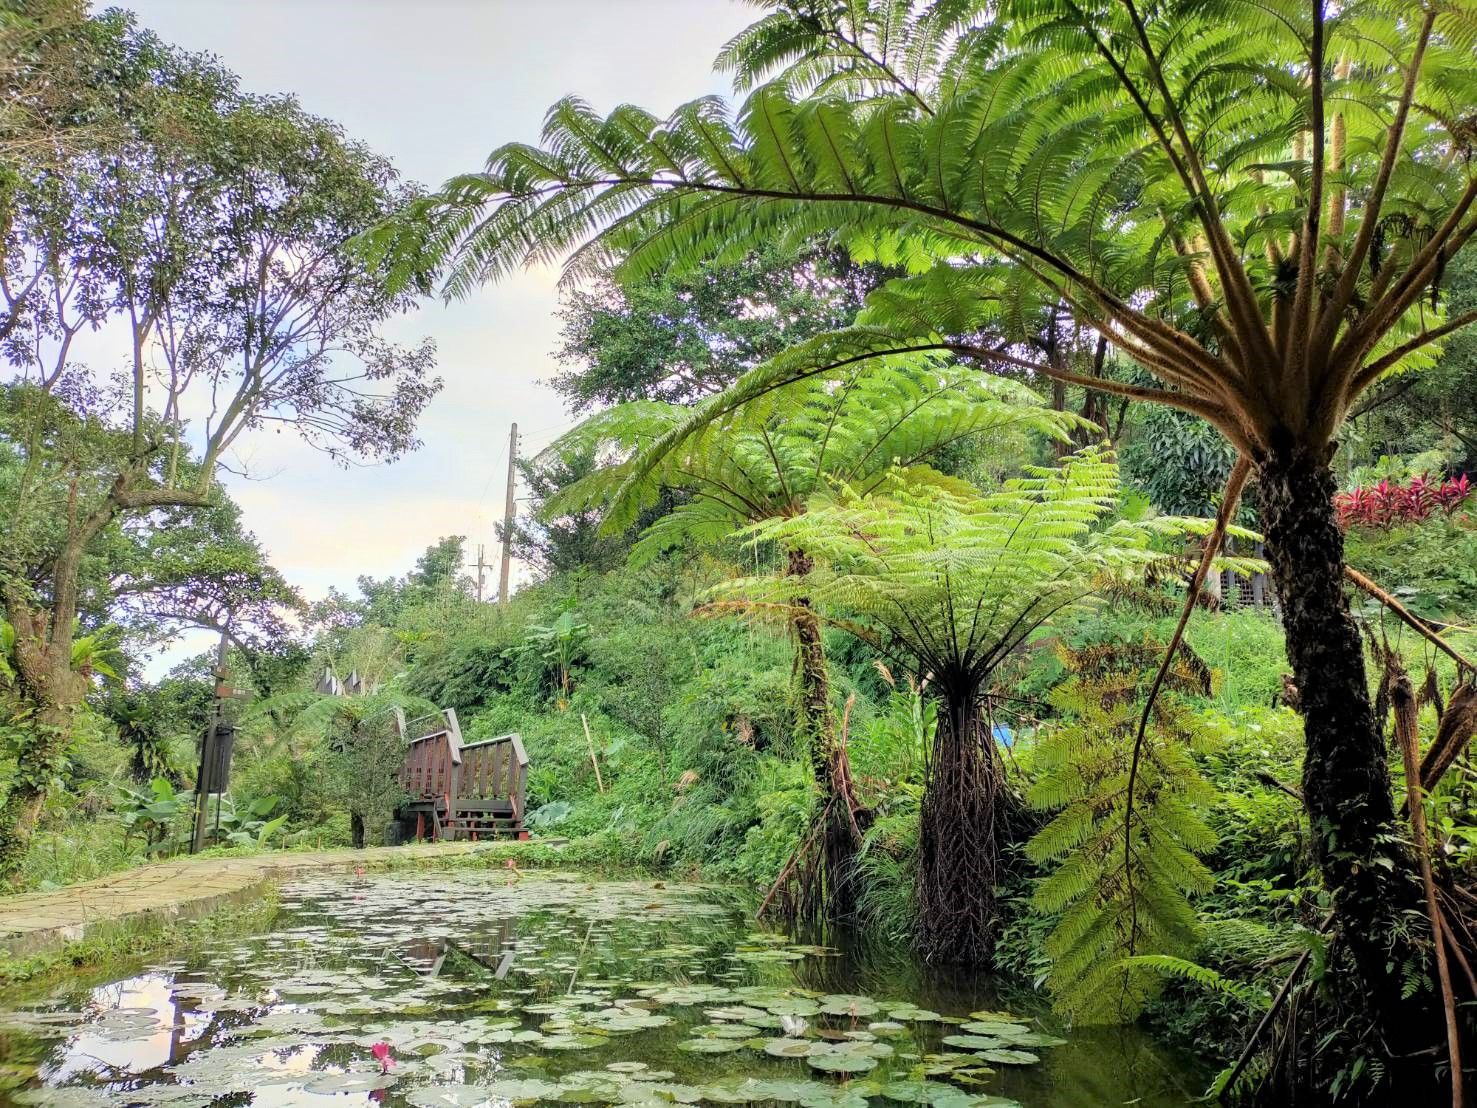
x: 116, y: 942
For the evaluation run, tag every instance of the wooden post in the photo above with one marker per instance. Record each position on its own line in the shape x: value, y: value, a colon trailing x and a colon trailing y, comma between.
x: 207, y: 748
x: 591, y: 744
x: 509, y: 511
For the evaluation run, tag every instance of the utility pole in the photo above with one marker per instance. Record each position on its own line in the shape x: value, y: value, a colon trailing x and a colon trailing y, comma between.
x: 207, y: 748
x: 508, y: 511
x: 481, y: 567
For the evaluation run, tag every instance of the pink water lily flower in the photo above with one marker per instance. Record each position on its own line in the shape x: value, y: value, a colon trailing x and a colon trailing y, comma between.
x: 381, y: 1052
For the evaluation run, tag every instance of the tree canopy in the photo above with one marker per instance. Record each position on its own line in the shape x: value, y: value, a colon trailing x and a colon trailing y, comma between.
x: 742, y: 463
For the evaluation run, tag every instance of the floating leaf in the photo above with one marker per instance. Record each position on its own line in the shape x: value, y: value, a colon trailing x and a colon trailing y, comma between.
x: 710, y: 1046
x: 842, y: 1061
x: 789, y: 1048
x: 1011, y: 1057
x: 459, y: 1096
x: 736, y: 1012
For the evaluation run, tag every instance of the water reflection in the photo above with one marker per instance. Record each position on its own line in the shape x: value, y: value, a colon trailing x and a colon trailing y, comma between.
x: 462, y: 989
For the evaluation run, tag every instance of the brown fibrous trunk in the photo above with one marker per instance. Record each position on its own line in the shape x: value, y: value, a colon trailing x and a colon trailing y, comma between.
x: 965, y: 818
x: 827, y: 887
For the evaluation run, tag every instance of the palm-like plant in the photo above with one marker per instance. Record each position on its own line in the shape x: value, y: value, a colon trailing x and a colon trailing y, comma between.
x: 770, y: 459
x: 559, y: 645
x: 950, y: 583
x: 354, y: 740
x: 1252, y: 199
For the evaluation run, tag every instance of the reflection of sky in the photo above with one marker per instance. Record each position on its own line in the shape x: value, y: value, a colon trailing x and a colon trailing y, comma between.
x: 178, y: 1022
x: 152, y: 995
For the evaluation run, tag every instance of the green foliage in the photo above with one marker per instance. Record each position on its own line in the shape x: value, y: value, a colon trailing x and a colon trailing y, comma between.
x: 952, y: 581
x: 354, y: 748
x: 885, y: 870
x: 1169, y: 966
x: 1181, y: 462
x: 156, y: 813
x: 1433, y: 563
x: 896, y: 740
x: 744, y: 459
x: 244, y: 822
x: 676, y: 339
x: 1122, y: 879
x: 559, y: 646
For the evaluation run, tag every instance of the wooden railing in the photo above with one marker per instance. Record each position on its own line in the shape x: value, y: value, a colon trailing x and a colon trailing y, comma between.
x: 432, y: 756
x: 495, y: 769
x: 489, y: 776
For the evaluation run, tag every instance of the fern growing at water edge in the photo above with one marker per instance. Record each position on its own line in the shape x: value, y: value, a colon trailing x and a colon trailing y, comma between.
x: 1121, y: 881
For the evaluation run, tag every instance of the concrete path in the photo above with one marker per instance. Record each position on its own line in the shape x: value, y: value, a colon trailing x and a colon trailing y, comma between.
x: 33, y: 923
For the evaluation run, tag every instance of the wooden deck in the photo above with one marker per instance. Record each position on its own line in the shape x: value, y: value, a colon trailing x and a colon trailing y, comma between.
x: 461, y: 790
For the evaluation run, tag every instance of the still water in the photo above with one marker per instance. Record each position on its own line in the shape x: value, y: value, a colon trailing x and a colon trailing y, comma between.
x: 486, y: 988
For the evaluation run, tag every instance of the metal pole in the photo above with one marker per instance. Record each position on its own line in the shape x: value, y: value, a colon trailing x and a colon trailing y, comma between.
x: 508, y: 511
x: 207, y: 748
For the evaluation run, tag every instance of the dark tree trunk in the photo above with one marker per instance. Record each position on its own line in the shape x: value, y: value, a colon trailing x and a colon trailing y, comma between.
x: 828, y: 892
x: 1356, y: 840
x: 356, y: 830
x: 964, y: 817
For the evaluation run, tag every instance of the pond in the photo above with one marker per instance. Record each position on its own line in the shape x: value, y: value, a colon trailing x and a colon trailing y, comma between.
x: 488, y: 988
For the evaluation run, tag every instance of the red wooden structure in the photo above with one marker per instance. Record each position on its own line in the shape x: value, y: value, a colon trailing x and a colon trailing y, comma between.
x: 461, y: 790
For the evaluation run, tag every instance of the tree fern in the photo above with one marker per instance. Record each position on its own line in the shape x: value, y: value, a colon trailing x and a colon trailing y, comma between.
x: 754, y: 454
x: 950, y: 582
x: 1120, y: 882
x: 747, y: 456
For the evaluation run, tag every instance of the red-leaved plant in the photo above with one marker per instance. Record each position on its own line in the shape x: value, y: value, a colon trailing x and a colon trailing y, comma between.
x: 1389, y: 504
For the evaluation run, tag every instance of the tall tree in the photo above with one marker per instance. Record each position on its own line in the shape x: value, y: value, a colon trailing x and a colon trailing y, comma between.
x: 770, y: 460
x: 1253, y: 201
x: 681, y: 337
x: 209, y: 231
x: 48, y: 106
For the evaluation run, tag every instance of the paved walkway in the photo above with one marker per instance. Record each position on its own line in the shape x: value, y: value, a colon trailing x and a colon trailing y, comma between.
x: 33, y: 923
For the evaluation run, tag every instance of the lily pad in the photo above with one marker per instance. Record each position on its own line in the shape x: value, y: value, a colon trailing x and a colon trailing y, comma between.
x: 842, y: 1061
x: 857, y: 1007
x: 973, y: 1042
x: 710, y: 1046
x: 735, y: 1012
x: 454, y: 1096
x: 789, y: 1048
x: 1011, y: 1057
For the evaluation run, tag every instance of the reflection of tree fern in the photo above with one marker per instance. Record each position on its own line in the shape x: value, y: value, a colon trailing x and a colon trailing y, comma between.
x: 1119, y: 904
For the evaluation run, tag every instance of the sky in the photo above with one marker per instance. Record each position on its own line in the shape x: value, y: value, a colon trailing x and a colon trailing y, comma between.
x: 435, y: 85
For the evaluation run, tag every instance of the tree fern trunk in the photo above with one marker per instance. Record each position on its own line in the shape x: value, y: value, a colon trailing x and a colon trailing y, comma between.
x: 827, y: 890
x: 1346, y: 777
x: 959, y: 841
